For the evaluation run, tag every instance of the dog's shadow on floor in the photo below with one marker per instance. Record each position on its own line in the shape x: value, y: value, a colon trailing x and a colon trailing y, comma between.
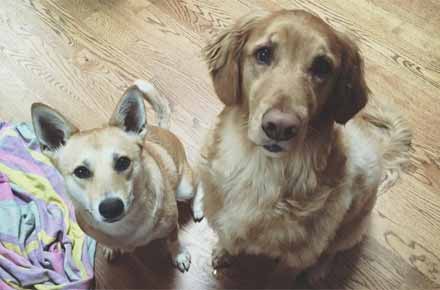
x: 251, y: 272
x: 150, y: 268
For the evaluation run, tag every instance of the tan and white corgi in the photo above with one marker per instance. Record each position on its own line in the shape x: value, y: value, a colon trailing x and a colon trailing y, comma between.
x: 125, y: 177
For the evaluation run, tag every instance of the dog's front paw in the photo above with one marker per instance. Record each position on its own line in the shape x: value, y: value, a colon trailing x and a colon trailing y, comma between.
x: 197, y: 211
x: 220, y: 258
x: 197, y: 204
x: 112, y: 254
x: 182, y: 261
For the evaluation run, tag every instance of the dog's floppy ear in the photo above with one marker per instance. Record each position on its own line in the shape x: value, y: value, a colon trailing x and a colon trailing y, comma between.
x: 51, y: 128
x: 351, y: 91
x: 223, y: 57
x: 130, y: 114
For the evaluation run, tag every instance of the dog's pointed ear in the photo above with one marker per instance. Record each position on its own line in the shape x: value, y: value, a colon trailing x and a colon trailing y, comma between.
x: 130, y: 114
x: 223, y: 56
x: 351, y: 91
x: 51, y: 128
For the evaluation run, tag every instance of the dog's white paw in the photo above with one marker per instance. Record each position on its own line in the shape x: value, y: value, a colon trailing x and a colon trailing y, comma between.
x: 197, y: 211
x: 112, y: 254
x: 182, y: 261
x: 197, y: 204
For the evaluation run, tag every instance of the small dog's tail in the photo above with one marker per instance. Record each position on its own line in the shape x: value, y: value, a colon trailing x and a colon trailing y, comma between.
x: 395, y: 136
x: 160, y: 105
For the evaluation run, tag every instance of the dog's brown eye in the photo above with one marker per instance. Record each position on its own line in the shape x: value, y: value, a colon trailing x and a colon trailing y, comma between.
x: 122, y: 163
x: 264, y: 55
x: 82, y: 172
x: 321, y: 67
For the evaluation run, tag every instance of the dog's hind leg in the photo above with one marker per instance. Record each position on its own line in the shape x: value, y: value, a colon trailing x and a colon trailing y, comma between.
x: 354, y: 225
x: 350, y: 234
x: 180, y: 256
x: 186, y: 188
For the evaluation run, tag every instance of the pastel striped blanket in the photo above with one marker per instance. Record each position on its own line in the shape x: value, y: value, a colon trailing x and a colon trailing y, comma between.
x: 41, y: 245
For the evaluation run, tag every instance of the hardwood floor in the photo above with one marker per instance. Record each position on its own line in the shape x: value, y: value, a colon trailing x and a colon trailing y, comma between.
x: 79, y: 55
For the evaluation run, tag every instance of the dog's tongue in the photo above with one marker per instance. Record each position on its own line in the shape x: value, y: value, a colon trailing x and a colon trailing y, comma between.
x: 273, y: 148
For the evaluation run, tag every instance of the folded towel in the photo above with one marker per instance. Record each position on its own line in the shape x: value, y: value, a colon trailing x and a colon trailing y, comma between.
x: 41, y: 245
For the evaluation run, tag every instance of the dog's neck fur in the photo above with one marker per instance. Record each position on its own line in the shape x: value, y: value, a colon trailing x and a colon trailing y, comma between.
x: 312, y: 164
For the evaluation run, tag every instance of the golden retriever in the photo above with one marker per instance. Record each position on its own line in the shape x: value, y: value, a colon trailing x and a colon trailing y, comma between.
x: 291, y: 170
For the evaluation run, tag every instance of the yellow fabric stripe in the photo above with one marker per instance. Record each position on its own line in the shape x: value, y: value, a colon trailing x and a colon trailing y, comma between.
x: 13, y: 247
x: 36, y: 186
x: 32, y: 246
x: 16, y: 249
x: 13, y: 284
x: 10, y: 132
x: 43, y: 236
x: 77, y: 255
x: 40, y: 157
x: 48, y: 287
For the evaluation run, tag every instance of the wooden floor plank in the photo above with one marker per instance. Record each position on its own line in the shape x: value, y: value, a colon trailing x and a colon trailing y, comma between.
x: 172, y: 62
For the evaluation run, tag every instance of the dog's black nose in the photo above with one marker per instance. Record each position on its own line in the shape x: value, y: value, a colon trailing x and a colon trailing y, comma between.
x: 111, y: 208
x: 279, y: 126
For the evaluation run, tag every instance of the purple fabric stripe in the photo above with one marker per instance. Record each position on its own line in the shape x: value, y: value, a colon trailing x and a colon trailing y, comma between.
x: 11, y: 255
x: 14, y: 146
x: 85, y: 256
x: 68, y: 263
x: 25, y: 276
x: 57, y: 182
x: 78, y: 285
x: 5, y: 190
x: 8, y: 239
x: 58, y: 257
x: 18, y: 163
x: 3, y: 125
